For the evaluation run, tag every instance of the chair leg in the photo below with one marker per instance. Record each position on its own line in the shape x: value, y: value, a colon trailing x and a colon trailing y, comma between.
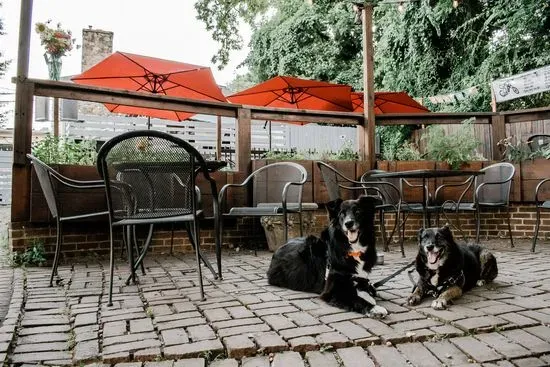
x: 478, y: 223
x: 402, y: 225
x: 301, y: 223
x: 138, y: 250
x: 111, y: 266
x: 130, y: 253
x: 383, y: 230
x: 57, y: 251
x: 285, y: 223
x: 218, y: 234
x: 536, y: 230
x: 197, y: 255
x: 509, y: 226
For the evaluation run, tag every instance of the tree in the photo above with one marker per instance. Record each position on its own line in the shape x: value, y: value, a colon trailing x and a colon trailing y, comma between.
x: 430, y: 48
x: 3, y: 66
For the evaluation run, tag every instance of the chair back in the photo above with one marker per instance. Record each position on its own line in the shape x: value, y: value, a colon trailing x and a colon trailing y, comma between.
x: 390, y: 188
x: 538, y: 141
x: 149, y: 174
x: 333, y: 179
x: 49, y: 187
x: 279, y: 175
x: 494, y: 185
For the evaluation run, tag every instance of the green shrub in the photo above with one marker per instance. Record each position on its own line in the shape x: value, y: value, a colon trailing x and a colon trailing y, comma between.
x: 346, y: 153
x: 33, y: 256
x: 455, y: 148
x: 392, y: 139
x: 408, y: 152
x: 56, y: 150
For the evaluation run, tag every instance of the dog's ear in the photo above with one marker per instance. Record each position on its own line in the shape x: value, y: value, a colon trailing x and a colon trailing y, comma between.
x: 333, y: 207
x: 420, y: 234
x: 369, y: 201
x: 446, y: 232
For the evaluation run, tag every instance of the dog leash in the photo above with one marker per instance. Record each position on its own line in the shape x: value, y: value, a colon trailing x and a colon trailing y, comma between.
x: 386, y: 279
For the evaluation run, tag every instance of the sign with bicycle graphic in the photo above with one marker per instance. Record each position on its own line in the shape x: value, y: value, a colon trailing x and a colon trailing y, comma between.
x: 520, y: 85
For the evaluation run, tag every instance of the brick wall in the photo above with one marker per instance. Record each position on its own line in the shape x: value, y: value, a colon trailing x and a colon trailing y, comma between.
x: 248, y: 233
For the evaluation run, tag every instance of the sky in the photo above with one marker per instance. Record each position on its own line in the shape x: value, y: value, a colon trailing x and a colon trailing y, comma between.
x: 166, y: 29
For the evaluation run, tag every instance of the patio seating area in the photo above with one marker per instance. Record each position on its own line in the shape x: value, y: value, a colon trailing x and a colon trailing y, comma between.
x: 245, y: 322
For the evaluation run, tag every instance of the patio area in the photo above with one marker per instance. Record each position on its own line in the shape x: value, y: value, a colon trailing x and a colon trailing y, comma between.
x: 246, y: 322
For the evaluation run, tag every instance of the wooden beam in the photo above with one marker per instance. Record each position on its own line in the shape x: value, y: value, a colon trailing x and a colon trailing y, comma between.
x: 303, y: 117
x: 22, y: 130
x: 433, y: 118
x: 368, y: 82
x: 66, y: 90
x: 522, y: 116
x: 498, y: 132
x: 243, y: 146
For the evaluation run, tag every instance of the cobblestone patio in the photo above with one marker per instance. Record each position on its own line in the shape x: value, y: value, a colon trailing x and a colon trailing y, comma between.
x: 246, y: 322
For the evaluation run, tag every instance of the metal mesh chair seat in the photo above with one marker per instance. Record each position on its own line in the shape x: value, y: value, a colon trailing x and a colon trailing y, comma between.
x: 540, y: 205
x: 50, y: 183
x: 150, y: 178
x: 286, y: 181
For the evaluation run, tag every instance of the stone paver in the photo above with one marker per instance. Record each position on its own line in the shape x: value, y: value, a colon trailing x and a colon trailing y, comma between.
x: 244, y: 322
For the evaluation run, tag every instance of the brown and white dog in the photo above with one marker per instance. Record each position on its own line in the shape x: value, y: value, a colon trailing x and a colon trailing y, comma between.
x: 447, y: 269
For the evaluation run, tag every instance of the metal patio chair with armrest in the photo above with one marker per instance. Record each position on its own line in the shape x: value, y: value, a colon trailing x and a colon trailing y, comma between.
x: 540, y: 205
x: 394, y: 201
x: 281, y: 197
x: 150, y: 178
x: 50, y: 180
x: 335, y: 181
x: 491, y: 190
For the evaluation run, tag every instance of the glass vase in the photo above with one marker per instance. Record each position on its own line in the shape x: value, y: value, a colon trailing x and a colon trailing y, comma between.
x: 54, y: 66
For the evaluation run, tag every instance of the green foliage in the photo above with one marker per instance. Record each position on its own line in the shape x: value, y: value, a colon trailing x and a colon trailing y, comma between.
x: 520, y: 151
x: 3, y: 66
x: 455, y: 148
x: 56, y: 150
x: 392, y: 139
x: 408, y: 152
x: 430, y: 48
x: 346, y: 153
x: 33, y: 256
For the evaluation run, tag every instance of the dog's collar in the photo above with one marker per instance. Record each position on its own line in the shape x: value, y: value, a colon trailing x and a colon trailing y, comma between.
x: 355, y: 254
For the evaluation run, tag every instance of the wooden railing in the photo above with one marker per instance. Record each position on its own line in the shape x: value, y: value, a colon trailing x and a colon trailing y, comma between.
x: 27, y: 88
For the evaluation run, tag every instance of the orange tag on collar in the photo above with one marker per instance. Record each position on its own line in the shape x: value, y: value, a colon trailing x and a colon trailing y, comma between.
x: 355, y: 253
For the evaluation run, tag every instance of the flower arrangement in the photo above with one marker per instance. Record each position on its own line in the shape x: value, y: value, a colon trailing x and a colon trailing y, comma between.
x: 56, y: 41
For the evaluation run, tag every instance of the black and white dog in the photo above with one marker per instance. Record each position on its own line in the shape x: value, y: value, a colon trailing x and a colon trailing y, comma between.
x: 448, y: 269
x: 337, y: 264
x: 351, y: 240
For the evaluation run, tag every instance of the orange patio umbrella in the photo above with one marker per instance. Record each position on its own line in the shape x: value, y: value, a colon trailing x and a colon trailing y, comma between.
x: 389, y: 102
x: 127, y: 71
x: 296, y: 93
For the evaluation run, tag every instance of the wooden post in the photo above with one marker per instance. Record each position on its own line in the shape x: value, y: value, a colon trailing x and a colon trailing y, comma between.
x: 219, y: 138
x: 56, y: 116
x: 493, y: 100
x: 498, y: 129
x: 243, y: 145
x: 365, y: 132
x: 22, y: 129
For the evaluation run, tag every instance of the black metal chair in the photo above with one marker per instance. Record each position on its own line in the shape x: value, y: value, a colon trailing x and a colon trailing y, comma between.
x: 49, y: 182
x: 491, y: 190
x: 540, y: 205
x: 538, y: 141
x: 150, y: 178
x: 335, y: 181
x: 283, y: 195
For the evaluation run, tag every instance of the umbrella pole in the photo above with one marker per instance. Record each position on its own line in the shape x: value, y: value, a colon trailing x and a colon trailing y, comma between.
x: 269, y: 135
x: 148, y: 123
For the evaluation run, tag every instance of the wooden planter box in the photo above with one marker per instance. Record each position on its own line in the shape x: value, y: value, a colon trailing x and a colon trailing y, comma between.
x: 532, y: 172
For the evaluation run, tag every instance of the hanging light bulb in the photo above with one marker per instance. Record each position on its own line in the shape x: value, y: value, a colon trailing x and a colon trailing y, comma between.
x: 455, y: 4
x: 401, y: 7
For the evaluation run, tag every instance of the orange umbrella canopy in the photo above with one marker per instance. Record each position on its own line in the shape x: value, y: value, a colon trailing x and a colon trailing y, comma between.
x: 126, y: 71
x: 296, y: 93
x: 389, y: 102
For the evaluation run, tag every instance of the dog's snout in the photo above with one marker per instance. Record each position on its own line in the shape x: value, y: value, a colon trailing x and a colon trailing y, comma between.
x: 349, y: 224
x: 430, y: 247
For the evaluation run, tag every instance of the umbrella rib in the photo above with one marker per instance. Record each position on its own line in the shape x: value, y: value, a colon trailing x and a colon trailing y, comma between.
x: 196, y: 91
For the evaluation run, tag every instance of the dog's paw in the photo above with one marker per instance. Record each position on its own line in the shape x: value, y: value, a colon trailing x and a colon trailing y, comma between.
x: 439, y: 304
x: 377, y: 312
x: 481, y: 283
x: 414, y: 299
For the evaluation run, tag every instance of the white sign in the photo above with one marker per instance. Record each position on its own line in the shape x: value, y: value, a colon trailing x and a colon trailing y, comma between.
x: 524, y: 84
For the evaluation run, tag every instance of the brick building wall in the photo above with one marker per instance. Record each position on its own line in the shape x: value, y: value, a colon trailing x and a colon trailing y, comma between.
x: 248, y: 233
x: 97, y: 44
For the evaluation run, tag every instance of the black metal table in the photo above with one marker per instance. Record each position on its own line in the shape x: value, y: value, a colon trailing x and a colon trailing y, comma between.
x: 425, y: 174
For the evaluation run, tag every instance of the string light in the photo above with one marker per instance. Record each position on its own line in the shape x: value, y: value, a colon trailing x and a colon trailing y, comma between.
x: 455, y: 4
